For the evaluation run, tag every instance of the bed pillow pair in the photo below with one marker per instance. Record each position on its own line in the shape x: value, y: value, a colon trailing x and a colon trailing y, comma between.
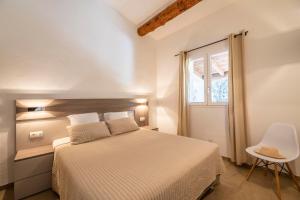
x: 89, y: 128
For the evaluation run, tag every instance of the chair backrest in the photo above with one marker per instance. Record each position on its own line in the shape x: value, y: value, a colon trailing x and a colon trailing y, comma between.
x: 284, y: 137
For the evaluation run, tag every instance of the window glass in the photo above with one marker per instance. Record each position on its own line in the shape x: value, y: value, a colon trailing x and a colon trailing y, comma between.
x: 196, y: 81
x: 219, y: 77
x: 208, y: 70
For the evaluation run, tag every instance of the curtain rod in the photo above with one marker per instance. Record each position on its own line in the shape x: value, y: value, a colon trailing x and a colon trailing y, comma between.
x: 246, y: 32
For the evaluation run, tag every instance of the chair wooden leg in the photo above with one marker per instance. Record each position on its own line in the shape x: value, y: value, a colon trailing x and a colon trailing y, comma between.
x: 266, y: 168
x: 278, y: 192
x: 293, y: 176
x: 252, y: 169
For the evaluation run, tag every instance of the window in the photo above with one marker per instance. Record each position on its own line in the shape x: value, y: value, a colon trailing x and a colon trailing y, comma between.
x: 208, y: 75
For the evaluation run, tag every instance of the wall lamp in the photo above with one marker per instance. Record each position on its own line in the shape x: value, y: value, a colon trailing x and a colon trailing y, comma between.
x: 35, y: 109
x: 141, y: 101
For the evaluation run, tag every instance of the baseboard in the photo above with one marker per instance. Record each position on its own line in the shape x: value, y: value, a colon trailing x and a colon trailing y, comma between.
x: 3, y: 187
x: 226, y: 158
x: 242, y: 165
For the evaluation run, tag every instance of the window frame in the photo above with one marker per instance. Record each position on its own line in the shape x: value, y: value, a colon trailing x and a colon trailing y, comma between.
x: 206, y: 53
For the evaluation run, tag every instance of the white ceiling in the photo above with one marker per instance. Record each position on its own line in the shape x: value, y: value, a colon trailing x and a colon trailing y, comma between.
x: 138, y: 11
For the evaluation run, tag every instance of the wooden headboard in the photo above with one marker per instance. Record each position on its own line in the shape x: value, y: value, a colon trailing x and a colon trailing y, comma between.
x: 52, y: 118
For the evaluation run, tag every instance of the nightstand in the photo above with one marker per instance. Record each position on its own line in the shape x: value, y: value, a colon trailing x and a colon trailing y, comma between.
x: 150, y: 128
x: 33, y: 171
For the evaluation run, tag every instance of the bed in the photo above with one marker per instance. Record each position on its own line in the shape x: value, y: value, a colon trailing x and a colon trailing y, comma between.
x: 139, y: 165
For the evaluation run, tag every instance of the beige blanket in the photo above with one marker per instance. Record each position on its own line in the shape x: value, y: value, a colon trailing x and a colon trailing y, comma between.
x: 139, y: 165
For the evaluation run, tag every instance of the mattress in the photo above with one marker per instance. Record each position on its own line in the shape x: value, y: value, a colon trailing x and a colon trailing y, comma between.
x: 139, y: 165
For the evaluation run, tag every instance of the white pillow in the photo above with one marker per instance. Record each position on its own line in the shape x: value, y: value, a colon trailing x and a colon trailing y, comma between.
x: 61, y: 141
x: 115, y: 115
x: 83, y: 118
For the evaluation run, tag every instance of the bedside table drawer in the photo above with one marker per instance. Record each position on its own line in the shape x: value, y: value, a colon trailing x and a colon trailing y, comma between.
x: 33, y: 166
x: 32, y: 185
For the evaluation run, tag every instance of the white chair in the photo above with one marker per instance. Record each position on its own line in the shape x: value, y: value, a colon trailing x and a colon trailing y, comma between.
x: 284, y: 138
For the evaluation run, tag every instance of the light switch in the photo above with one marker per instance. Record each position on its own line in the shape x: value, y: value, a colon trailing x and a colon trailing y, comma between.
x: 36, y: 134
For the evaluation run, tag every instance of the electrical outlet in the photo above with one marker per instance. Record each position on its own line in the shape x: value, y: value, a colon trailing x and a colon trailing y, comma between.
x: 36, y: 134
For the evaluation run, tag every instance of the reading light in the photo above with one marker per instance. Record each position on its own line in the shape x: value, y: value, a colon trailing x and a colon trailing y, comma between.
x: 28, y: 109
x: 141, y: 100
x: 35, y: 109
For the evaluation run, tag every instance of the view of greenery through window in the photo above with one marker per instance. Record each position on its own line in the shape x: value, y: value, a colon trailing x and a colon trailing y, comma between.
x: 212, y: 88
x: 219, y: 90
x: 196, y: 83
x: 219, y: 77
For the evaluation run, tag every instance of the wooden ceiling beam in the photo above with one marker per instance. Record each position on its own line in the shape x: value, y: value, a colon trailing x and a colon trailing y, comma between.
x: 169, y: 13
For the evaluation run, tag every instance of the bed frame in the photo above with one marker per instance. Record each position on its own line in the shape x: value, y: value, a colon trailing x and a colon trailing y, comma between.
x: 210, y: 188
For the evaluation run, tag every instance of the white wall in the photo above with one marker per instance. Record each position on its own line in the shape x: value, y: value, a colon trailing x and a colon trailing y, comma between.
x: 210, y: 123
x: 272, y: 62
x: 66, y: 49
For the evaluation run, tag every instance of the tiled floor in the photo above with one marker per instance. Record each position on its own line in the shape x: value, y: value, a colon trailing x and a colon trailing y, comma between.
x: 233, y: 186
x: 260, y: 187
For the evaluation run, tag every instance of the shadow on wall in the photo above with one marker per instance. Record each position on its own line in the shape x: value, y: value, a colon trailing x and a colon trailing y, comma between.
x: 167, y: 107
x: 272, y: 68
x: 63, y: 51
x: 7, y: 137
x: 4, y: 155
x: 273, y: 51
x: 272, y: 59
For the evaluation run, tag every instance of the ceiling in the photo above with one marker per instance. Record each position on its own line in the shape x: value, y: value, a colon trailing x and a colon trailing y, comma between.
x: 138, y: 11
